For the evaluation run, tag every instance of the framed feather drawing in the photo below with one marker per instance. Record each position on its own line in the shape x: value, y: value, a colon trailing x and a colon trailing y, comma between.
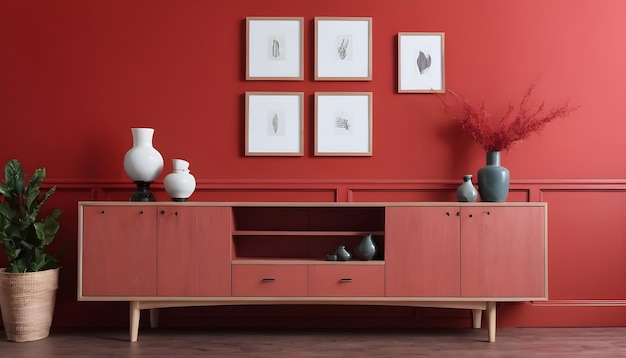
x: 421, y: 62
x: 274, y: 124
x: 274, y: 48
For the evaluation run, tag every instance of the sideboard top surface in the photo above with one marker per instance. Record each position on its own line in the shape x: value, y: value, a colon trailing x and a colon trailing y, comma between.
x: 309, y: 204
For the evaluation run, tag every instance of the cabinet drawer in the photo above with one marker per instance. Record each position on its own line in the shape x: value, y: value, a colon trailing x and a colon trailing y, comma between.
x: 269, y: 280
x: 346, y: 280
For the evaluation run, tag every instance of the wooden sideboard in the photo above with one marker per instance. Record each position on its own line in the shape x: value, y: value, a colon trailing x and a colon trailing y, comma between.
x: 443, y: 254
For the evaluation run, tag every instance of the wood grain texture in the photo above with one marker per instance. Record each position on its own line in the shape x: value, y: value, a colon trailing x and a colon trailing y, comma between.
x: 347, y: 280
x: 119, y: 248
x: 503, y: 252
x: 194, y: 251
x: 422, y: 255
x: 269, y: 280
x: 157, y: 343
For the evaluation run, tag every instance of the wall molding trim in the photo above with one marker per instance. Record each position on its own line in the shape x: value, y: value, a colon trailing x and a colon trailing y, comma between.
x: 345, y: 189
x: 579, y: 303
x: 543, y: 182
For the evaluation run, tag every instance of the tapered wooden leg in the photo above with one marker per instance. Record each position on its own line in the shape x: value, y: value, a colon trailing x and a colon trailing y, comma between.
x: 154, y: 317
x: 477, y: 317
x: 491, y: 314
x: 134, y: 320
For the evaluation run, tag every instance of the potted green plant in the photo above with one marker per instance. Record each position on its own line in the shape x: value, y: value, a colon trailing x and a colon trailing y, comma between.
x: 32, y: 274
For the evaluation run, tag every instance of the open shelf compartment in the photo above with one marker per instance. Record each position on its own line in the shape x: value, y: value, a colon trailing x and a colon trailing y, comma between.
x: 297, y: 233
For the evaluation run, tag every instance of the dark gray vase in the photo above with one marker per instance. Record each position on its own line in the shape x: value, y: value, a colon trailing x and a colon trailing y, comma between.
x: 366, y: 249
x: 493, y: 180
x: 342, y: 253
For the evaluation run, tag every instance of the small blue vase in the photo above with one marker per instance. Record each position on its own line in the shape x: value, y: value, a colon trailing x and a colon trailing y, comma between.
x: 493, y: 180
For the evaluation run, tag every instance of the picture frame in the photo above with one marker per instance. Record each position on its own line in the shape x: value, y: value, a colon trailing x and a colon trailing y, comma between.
x: 274, y: 48
x: 343, y: 49
x: 274, y: 124
x: 343, y: 123
x: 421, y: 65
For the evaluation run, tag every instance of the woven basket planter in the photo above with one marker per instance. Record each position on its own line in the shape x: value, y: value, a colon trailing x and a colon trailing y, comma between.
x: 27, y: 302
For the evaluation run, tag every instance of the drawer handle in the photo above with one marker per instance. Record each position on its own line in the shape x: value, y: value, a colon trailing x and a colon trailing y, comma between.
x: 345, y: 280
x: 268, y: 279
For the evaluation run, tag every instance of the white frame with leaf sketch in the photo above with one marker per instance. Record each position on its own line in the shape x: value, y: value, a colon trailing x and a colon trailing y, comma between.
x: 274, y: 48
x: 343, y: 48
x: 274, y: 124
x: 343, y: 123
x: 421, y: 62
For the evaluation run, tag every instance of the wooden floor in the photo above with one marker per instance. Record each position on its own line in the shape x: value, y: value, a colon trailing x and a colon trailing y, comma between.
x: 510, y: 342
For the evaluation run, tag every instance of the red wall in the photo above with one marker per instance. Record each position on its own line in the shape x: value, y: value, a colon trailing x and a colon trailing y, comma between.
x: 75, y: 75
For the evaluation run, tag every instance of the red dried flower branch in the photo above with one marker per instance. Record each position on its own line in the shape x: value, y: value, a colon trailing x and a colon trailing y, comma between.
x: 477, y: 122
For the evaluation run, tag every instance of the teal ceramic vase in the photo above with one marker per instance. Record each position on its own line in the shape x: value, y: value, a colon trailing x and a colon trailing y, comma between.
x: 466, y: 191
x: 493, y: 180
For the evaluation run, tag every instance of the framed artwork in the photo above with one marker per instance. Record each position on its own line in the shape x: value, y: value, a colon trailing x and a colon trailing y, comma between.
x: 343, y: 124
x: 421, y: 62
x: 274, y: 48
x: 274, y: 124
x: 343, y: 49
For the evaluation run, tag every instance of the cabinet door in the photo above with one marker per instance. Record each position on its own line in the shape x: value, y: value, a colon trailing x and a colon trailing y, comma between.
x: 422, y: 251
x: 118, y: 251
x: 503, y: 252
x: 194, y: 251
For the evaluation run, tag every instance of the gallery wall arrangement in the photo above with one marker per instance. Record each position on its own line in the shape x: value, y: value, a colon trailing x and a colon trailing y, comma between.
x: 343, y: 52
x: 343, y: 120
x: 329, y: 110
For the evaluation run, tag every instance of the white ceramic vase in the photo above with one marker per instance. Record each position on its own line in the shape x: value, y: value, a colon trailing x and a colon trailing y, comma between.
x: 142, y: 163
x: 180, y: 183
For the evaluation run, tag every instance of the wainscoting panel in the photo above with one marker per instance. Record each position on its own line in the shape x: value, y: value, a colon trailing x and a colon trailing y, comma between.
x: 587, y: 244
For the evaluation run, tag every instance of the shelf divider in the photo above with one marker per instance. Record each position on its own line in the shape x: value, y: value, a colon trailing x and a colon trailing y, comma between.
x: 304, y: 233
x: 291, y: 261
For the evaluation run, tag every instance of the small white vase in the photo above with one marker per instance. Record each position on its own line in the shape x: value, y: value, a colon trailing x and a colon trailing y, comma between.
x: 180, y: 184
x: 143, y: 163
